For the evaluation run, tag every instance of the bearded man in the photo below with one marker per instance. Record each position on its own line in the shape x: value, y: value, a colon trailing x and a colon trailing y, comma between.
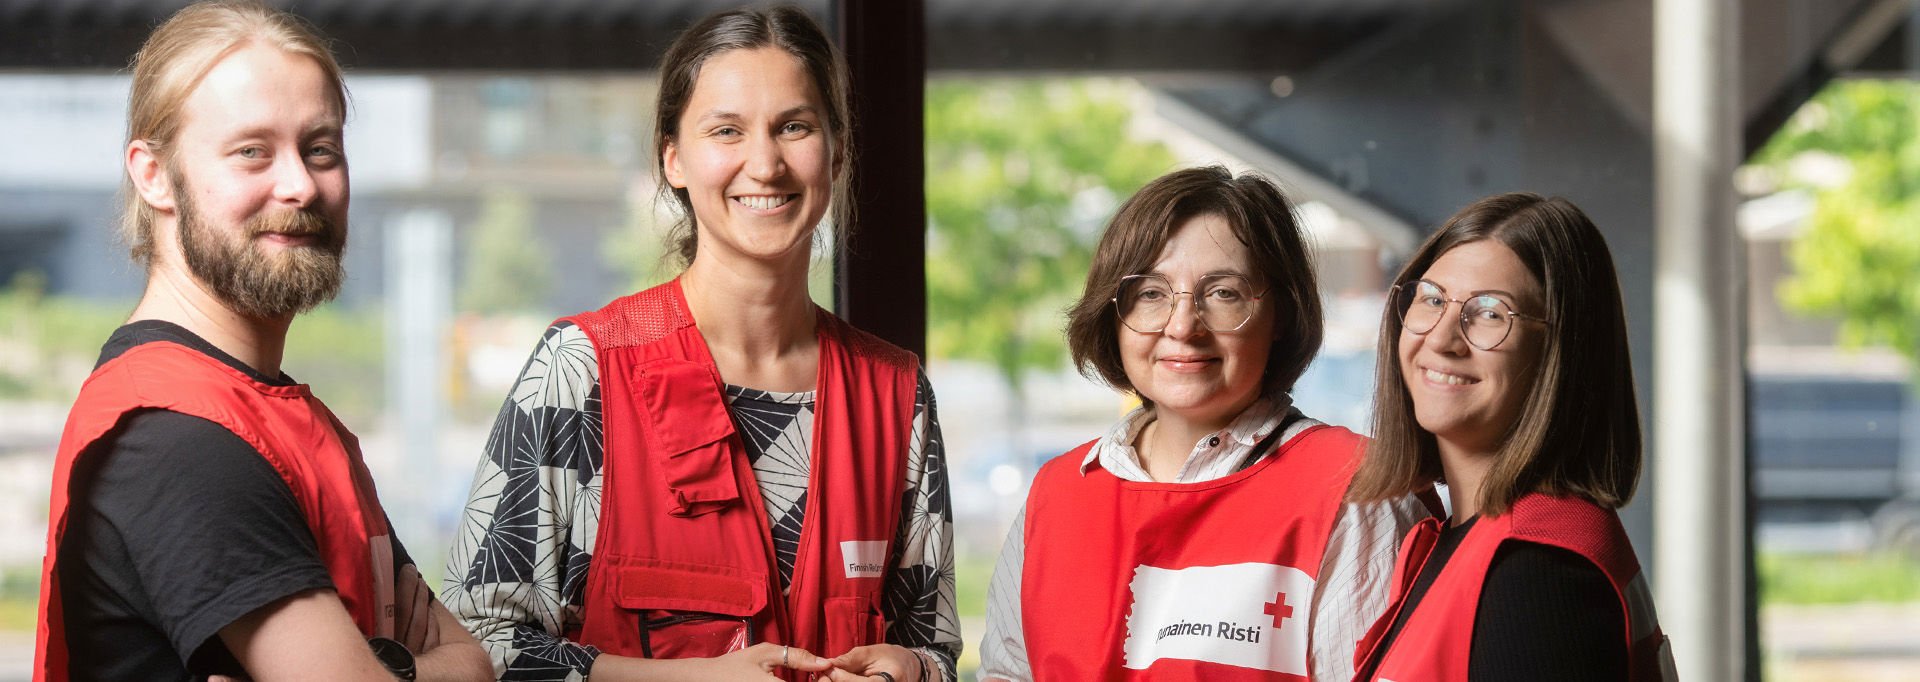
x: 210, y: 517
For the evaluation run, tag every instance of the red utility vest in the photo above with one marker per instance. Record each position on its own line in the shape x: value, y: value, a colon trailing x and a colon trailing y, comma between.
x: 314, y: 453
x: 1128, y: 580
x: 1437, y: 641
x: 684, y: 565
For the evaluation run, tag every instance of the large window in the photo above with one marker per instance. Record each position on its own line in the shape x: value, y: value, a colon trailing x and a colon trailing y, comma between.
x: 487, y: 202
x: 1832, y: 248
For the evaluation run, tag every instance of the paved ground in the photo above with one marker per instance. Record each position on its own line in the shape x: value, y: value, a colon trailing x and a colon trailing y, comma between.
x: 1842, y: 643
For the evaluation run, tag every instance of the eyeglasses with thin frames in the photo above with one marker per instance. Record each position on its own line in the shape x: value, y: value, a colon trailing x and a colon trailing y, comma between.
x: 1485, y: 319
x: 1223, y: 303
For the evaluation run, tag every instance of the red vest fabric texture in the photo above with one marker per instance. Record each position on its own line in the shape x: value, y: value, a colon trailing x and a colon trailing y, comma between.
x: 316, y: 455
x: 684, y: 564
x: 1437, y: 641
x: 1214, y: 580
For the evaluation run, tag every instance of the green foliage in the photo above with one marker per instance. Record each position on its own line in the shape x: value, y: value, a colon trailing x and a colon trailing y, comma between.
x: 19, y: 598
x: 341, y: 351
x: 1860, y: 258
x: 50, y: 342
x: 972, y: 576
x: 1838, y: 579
x: 507, y: 269
x: 638, y: 249
x: 1021, y: 176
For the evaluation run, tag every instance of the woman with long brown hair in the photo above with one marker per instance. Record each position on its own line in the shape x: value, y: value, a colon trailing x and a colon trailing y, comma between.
x: 1505, y: 374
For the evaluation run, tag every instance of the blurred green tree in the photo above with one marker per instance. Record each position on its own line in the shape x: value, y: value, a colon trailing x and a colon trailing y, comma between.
x: 1860, y: 257
x: 637, y: 249
x: 507, y: 268
x: 1021, y: 178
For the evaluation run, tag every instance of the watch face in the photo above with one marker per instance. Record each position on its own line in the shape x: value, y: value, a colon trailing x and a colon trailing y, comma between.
x: 393, y: 655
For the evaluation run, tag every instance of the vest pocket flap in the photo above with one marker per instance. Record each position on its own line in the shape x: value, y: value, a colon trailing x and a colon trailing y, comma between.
x: 683, y: 406
x: 690, y: 588
x: 690, y: 431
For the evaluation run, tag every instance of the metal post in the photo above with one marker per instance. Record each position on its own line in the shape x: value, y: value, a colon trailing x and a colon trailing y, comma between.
x: 1699, y: 324
x: 880, y: 282
x: 1912, y: 33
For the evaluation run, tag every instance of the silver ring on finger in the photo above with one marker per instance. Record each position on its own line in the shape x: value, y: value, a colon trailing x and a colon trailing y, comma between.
x: 783, y: 655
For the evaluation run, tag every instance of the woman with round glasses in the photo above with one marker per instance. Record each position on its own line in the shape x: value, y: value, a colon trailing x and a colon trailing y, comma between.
x: 1505, y: 373
x: 1204, y: 536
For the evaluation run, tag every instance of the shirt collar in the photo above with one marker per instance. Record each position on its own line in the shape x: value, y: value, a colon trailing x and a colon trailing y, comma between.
x: 1210, y: 455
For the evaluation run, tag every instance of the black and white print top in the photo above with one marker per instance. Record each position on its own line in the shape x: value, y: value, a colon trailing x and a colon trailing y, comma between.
x: 518, y: 570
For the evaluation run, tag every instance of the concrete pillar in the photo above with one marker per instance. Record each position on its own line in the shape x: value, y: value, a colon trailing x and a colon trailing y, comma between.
x: 419, y: 274
x: 1699, y: 329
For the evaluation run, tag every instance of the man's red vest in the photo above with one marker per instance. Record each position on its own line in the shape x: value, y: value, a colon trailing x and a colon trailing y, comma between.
x: 312, y: 451
x: 1181, y: 581
x: 1437, y: 641
x: 683, y: 563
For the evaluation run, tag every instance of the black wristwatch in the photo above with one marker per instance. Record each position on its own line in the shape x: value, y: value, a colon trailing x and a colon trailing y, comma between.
x: 394, y: 656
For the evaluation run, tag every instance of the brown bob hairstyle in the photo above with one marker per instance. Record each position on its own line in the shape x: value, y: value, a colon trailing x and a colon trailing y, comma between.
x: 786, y: 28
x: 1579, y: 432
x: 1261, y: 218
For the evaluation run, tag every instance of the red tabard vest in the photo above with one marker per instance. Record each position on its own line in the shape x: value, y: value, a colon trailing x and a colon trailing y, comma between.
x: 312, y: 450
x: 1181, y: 581
x: 684, y: 564
x: 1437, y: 641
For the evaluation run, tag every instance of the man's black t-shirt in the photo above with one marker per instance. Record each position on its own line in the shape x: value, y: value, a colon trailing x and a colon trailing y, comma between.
x: 176, y: 528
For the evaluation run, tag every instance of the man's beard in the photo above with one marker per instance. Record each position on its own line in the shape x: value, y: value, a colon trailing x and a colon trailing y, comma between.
x: 259, y: 282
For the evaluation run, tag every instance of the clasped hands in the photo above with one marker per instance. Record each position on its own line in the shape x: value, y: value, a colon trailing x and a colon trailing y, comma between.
x: 875, y: 662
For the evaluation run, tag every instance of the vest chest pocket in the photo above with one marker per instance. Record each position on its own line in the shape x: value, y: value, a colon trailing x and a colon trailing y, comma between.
x: 684, y: 634
x: 690, y: 612
x: 852, y: 622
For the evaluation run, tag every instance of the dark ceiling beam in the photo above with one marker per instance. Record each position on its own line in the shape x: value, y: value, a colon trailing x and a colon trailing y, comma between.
x: 1252, y: 49
x: 399, y: 45
x: 407, y: 37
x: 1874, y: 42
x: 1898, y: 54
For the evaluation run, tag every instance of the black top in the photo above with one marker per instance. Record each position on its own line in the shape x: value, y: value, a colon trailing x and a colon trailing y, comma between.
x: 1545, y: 613
x: 176, y: 528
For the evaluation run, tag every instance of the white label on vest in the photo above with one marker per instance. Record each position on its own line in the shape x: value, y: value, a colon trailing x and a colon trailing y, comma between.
x: 1247, y: 615
x: 864, y: 558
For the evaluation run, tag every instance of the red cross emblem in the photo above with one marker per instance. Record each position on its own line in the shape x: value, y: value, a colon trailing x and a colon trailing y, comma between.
x: 1279, y: 609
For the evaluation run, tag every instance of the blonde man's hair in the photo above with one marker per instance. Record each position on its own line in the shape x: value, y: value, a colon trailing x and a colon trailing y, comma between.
x: 172, y: 63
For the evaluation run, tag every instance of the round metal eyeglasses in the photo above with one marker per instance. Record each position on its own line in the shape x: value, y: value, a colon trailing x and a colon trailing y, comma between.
x: 1223, y: 303
x: 1485, y: 318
